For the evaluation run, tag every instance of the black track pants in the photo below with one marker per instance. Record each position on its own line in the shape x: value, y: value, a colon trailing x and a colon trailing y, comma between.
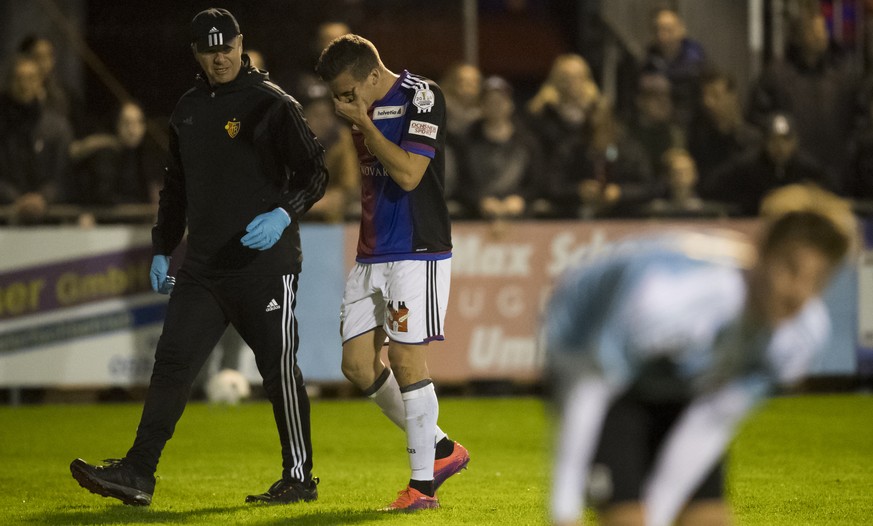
x: 262, y: 310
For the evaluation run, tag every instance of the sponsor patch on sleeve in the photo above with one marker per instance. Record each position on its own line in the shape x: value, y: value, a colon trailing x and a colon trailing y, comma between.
x: 423, y: 128
x: 423, y: 99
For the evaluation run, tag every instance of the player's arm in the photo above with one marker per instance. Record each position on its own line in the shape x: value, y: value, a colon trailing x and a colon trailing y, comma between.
x: 405, y: 168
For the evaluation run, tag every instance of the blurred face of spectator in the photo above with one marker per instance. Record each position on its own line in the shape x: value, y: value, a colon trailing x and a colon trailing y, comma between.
x: 653, y: 101
x: 682, y: 173
x: 814, y: 36
x: 669, y: 32
x: 223, y: 64
x: 328, y: 31
x: 466, y: 84
x: 25, y: 86
x: 719, y: 100
x: 321, y: 116
x: 43, y: 53
x: 131, y: 126
x: 256, y: 59
x: 497, y: 105
x: 571, y: 79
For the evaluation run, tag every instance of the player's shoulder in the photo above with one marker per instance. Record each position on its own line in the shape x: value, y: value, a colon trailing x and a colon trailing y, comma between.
x: 421, y: 90
x: 413, y: 81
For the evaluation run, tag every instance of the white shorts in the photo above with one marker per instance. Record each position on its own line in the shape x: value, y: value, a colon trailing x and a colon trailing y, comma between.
x: 406, y: 298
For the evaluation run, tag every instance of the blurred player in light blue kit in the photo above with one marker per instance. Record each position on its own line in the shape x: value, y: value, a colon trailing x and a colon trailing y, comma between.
x: 659, y: 346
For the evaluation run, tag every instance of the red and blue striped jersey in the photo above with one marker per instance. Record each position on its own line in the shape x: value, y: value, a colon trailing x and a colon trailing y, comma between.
x: 398, y: 225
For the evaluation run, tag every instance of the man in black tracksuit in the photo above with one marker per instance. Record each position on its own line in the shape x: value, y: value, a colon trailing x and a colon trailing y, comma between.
x: 242, y: 170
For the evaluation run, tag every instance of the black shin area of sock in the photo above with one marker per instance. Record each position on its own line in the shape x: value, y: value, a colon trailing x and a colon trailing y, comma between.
x: 383, y: 377
x: 444, y: 448
x: 424, y: 486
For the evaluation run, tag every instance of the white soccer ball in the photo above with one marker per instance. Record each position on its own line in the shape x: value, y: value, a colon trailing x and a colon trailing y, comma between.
x: 228, y: 386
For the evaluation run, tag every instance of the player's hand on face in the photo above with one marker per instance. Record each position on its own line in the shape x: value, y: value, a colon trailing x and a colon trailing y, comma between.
x: 351, y: 107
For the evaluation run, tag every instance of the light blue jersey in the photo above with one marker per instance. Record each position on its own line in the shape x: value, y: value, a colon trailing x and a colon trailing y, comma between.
x: 677, y: 296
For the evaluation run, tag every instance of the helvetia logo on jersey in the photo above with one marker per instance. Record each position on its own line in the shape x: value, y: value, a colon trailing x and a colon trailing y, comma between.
x: 232, y: 127
x: 389, y: 112
x: 272, y: 305
x: 423, y: 128
x: 398, y: 317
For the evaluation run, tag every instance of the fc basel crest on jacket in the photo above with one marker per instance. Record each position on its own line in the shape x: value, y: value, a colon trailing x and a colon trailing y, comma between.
x: 232, y: 127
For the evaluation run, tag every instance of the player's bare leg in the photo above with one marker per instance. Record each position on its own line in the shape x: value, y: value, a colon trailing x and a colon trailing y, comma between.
x: 362, y: 360
x: 409, y: 363
x: 712, y: 512
x: 624, y: 514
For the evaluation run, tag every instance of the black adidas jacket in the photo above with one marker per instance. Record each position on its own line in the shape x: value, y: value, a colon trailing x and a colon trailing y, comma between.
x: 237, y: 150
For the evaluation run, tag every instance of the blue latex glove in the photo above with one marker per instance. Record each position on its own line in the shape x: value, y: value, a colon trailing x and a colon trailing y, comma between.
x: 266, y: 229
x: 161, y: 282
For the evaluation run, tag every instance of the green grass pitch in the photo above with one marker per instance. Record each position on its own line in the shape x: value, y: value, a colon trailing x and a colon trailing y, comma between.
x: 799, y: 460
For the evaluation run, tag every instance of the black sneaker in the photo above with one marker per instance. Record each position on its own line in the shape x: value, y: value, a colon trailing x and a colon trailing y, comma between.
x: 288, y: 492
x: 115, y: 479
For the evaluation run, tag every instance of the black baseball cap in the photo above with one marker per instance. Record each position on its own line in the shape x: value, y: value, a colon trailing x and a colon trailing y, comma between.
x: 213, y: 29
x: 495, y: 83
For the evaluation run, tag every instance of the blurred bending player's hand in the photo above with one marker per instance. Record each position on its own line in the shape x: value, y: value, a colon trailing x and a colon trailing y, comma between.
x: 266, y: 229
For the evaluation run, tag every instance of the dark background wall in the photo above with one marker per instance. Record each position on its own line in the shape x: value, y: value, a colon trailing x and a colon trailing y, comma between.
x: 144, y: 44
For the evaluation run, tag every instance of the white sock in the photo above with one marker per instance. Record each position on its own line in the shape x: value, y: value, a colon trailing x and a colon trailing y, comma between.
x: 388, y: 398
x: 422, y: 410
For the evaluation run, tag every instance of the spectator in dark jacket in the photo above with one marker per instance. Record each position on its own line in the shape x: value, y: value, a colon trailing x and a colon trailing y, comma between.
x: 817, y: 89
x: 124, y: 167
x: 653, y: 123
x: 858, y: 177
x: 719, y: 132
x: 462, y: 86
x: 33, y: 145
x: 679, y: 58
x: 612, y: 176
x: 59, y: 97
x: 503, y: 158
x: 745, y: 180
x: 559, y: 116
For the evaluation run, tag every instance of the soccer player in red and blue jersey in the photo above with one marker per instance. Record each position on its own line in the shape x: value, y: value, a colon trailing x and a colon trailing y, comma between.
x: 399, y: 287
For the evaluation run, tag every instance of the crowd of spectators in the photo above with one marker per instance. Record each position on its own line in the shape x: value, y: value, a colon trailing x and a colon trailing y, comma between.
x: 689, y: 145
